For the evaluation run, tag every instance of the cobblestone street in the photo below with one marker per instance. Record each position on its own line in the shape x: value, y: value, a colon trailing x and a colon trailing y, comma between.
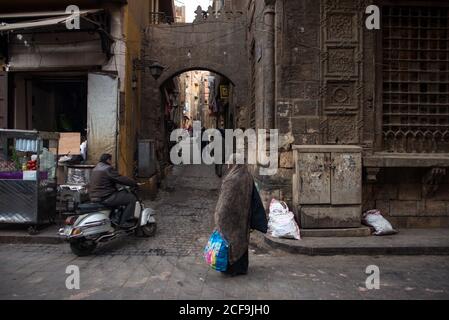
x: 170, y: 265
x: 184, y: 209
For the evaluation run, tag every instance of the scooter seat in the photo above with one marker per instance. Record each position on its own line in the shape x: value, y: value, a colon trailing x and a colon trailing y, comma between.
x: 91, y: 207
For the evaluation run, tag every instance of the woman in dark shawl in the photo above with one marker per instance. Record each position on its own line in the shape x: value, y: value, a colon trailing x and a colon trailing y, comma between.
x: 238, y: 210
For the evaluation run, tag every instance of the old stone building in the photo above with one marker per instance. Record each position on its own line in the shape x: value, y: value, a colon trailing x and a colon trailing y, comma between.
x: 322, y: 78
x: 317, y: 73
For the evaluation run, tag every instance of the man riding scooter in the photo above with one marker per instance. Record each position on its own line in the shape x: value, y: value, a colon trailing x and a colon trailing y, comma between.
x: 93, y: 223
x: 102, y: 189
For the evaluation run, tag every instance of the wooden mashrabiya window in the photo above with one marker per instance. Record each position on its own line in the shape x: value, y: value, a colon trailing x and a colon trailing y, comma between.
x: 415, y: 79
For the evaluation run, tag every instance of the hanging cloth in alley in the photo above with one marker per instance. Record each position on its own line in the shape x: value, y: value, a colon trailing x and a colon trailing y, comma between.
x: 168, y: 110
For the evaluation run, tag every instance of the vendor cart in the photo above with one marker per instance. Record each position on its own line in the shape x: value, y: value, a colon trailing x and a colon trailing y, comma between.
x: 28, y: 185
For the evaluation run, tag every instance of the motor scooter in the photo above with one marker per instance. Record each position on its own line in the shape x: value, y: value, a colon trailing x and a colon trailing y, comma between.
x: 95, y: 223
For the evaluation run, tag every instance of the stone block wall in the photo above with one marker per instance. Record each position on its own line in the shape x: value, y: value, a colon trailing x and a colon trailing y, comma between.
x: 401, y: 196
x: 298, y: 71
x: 325, y: 91
x: 297, y: 103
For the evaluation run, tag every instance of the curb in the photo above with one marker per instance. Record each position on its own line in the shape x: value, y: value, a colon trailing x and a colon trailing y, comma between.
x: 378, y: 250
x: 13, y: 239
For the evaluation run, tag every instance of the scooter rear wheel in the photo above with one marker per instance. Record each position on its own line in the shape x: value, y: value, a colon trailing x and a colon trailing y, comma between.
x: 82, y: 248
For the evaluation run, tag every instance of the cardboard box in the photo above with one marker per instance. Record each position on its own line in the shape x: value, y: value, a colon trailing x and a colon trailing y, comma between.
x: 69, y: 143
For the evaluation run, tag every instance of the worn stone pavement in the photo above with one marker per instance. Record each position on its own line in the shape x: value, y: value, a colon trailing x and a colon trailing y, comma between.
x: 170, y: 265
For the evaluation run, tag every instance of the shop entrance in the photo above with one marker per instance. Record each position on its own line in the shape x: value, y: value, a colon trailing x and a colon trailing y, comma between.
x: 53, y: 103
x: 81, y: 103
x: 63, y: 102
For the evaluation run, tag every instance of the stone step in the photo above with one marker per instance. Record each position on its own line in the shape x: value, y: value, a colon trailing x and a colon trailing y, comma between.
x: 346, y: 232
x: 406, y: 242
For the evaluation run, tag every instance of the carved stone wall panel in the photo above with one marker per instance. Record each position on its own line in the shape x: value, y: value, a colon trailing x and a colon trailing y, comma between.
x: 341, y: 62
x: 342, y: 88
x: 341, y: 98
x: 341, y: 27
x: 342, y: 129
x: 340, y: 94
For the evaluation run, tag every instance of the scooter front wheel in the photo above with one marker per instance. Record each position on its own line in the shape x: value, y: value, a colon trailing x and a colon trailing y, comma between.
x: 148, y: 230
x: 82, y: 247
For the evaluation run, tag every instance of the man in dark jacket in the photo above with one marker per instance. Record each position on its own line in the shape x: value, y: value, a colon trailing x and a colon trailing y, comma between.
x: 102, y: 188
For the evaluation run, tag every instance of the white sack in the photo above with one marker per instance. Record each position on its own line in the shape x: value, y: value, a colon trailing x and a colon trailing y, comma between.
x: 281, y: 223
x: 374, y: 218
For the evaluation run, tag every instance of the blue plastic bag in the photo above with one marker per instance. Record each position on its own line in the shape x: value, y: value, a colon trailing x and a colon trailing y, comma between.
x: 216, y: 252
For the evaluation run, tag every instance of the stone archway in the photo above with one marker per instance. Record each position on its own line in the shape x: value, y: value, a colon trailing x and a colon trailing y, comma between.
x: 214, y: 44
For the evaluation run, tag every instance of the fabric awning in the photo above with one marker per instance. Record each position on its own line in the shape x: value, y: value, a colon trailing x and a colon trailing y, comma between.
x: 61, y: 18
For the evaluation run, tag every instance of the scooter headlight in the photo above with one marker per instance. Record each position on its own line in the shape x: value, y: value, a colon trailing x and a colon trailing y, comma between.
x: 76, y: 231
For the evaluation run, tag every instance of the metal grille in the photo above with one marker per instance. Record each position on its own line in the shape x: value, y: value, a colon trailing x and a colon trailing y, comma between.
x: 415, y: 79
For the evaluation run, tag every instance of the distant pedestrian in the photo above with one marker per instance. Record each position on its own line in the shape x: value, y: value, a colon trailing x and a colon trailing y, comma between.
x: 219, y: 166
x: 204, y: 142
x: 238, y: 210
